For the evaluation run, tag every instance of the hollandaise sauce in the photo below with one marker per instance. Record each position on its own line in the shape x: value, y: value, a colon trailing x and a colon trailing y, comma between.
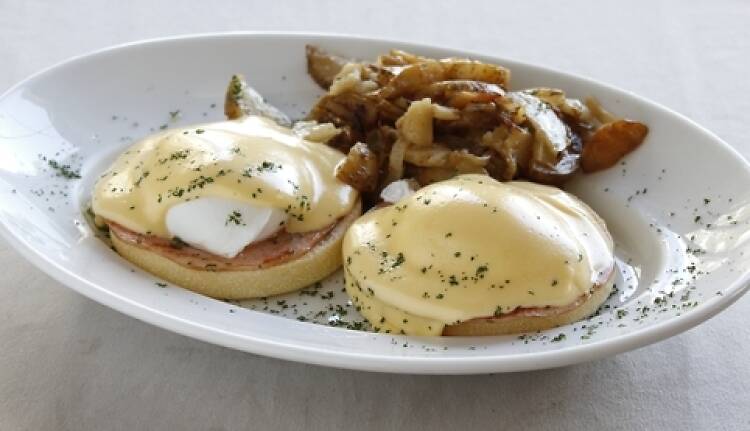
x: 473, y: 247
x: 250, y: 160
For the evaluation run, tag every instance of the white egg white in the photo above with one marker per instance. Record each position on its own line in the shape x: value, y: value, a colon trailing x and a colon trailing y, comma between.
x: 223, y: 226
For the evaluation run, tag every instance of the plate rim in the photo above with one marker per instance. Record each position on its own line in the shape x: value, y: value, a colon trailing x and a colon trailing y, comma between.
x: 372, y: 361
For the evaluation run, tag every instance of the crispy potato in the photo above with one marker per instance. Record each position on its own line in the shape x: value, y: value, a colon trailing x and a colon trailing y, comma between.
x: 316, y: 132
x: 555, y: 174
x: 396, y: 161
x: 501, y: 167
x: 233, y: 98
x: 512, y: 147
x: 388, y: 111
x: 431, y: 119
x: 518, y: 145
x: 344, y: 140
x: 572, y: 108
x: 352, y: 78
x: 444, y: 113
x: 429, y: 157
x: 413, y: 77
x: 425, y: 176
x: 322, y: 66
x: 553, y: 96
x: 242, y: 100
x: 598, y: 111
x: 610, y: 143
x: 359, y: 169
x: 466, y: 162
x: 550, y: 132
x: 459, y: 94
x: 416, y: 123
x: 440, y: 157
x: 353, y: 112
x: 462, y: 69
x: 396, y: 57
x: 472, y: 122
x: 554, y: 152
x: 380, y: 141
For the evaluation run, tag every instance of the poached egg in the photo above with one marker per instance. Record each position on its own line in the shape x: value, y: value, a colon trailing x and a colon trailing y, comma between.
x: 472, y: 247
x: 222, y: 186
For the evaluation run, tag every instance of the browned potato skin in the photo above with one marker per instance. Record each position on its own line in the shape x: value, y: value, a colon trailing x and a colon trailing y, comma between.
x: 359, y: 169
x: 610, y: 143
x: 425, y: 176
x: 459, y: 94
x: 559, y: 171
x: 476, y: 95
x: 355, y: 114
x: 233, y: 98
x: 413, y: 77
x: 323, y: 66
x: 557, y: 174
x: 397, y: 57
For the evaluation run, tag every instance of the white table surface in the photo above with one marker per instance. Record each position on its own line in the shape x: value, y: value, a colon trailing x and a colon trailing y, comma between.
x: 69, y: 363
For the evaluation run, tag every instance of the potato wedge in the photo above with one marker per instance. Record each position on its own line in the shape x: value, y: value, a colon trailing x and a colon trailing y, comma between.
x: 241, y: 100
x: 430, y: 119
x: 610, y: 143
x: 416, y: 124
x: 359, y: 169
x: 463, y: 69
x: 322, y: 66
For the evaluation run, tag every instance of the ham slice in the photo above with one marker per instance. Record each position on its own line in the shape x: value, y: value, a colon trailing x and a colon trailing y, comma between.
x: 281, y: 248
x: 552, y: 311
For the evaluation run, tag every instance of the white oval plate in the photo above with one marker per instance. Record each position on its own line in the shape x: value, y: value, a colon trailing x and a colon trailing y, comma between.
x: 677, y: 208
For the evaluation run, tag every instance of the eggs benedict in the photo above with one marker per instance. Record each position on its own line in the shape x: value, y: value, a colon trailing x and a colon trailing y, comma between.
x: 235, y: 209
x: 474, y: 256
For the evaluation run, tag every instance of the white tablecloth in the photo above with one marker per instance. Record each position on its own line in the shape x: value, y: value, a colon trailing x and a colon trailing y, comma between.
x: 69, y: 363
